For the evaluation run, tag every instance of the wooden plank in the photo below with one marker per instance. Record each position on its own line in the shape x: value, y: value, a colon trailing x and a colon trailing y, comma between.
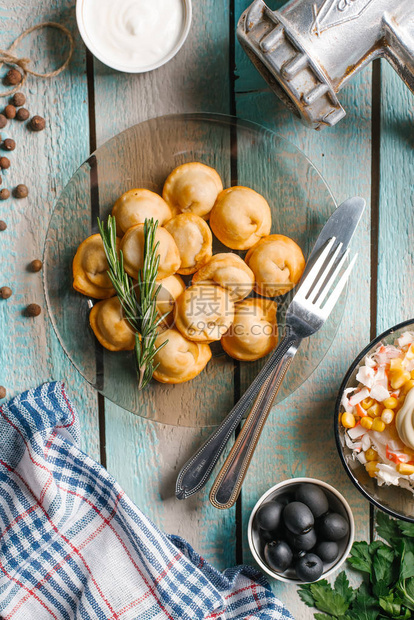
x: 146, y: 457
x: 396, y: 217
x: 298, y: 439
x: 29, y: 350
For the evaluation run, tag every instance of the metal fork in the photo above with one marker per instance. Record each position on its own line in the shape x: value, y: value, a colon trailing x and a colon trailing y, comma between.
x: 307, y: 312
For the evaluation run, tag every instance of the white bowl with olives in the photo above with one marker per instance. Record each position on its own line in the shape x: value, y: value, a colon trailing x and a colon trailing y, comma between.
x: 301, y: 530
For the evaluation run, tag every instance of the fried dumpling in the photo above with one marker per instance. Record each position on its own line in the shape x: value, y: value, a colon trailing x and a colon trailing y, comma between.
x: 180, y: 359
x: 240, y: 217
x: 171, y: 288
x: 204, y: 312
x: 194, y: 241
x: 192, y: 188
x: 228, y: 271
x: 90, y: 269
x: 137, y: 205
x: 277, y: 263
x: 132, y: 246
x: 254, y: 331
x: 110, y: 325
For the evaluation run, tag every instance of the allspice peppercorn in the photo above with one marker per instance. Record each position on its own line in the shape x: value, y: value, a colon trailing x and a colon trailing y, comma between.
x: 4, y: 163
x: 36, y: 265
x: 9, y: 144
x: 3, y: 121
x: 22, y: 114
x: 37, y: 123
x: 4, y: 194
x: 9, y: 111
x: 33, y: 310
x: 13, y: 77
x: 20, y: 191
x: 3, y: 392
x: 18, y: 100
x: 3, y: 225
x: 5, y: 292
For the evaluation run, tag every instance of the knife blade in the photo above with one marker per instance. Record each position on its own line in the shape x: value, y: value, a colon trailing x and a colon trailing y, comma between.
x: 197, y: 470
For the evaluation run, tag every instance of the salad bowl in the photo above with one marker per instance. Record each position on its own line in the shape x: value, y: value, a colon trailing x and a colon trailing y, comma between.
x: 392, y: 499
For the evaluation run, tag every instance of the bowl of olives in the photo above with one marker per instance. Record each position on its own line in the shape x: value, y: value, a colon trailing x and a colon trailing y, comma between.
x: 301, y: 530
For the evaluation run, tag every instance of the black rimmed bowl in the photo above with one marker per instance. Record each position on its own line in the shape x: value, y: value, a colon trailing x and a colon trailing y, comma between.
x: 395, y: 501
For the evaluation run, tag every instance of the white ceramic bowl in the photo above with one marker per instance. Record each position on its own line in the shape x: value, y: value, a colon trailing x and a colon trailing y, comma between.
x: 336, y: 502
x: 90, y: 44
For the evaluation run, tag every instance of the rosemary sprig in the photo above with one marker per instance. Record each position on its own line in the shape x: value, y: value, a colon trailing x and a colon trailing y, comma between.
x: 140, y: 309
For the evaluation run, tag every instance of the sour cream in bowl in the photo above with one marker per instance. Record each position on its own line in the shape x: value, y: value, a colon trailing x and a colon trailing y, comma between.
x: 374, y: 421
x: 134, y: 36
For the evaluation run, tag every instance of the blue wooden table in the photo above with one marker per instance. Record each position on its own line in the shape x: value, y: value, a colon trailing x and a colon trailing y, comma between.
x: 370, y: 153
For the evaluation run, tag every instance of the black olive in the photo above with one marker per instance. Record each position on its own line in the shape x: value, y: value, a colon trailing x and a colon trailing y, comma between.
x: 269, y: 515
x: 278, y: 555
x: 268, y: 536
x: 298, y: 518
x: 333, y: 526
x: 313, y: 497
x: 309, y: 567
x: 327, y: 550
x: 303, y: 542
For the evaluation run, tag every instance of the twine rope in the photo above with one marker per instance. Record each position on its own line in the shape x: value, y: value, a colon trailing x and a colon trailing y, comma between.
x: 9, y: 58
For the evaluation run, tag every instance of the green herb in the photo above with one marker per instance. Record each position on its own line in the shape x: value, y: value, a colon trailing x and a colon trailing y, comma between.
x: 138, y: 303
x: 387, y: 590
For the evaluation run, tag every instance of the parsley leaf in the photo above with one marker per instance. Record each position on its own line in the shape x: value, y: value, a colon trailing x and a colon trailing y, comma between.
x: 343, y: 588
x: 328, y: 600
x: 407, y: 529
x: 306, y: 595
x: 387, y: 528
x: 360, y: 557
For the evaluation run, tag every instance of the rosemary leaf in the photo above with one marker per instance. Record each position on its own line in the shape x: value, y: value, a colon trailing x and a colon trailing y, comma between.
x: 139, y: 304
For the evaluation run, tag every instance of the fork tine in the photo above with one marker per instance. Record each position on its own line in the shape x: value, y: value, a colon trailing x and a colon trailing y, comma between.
x: 328, y: 285
x: 321, y: 283
x: 313, y: 274
x: 328, y: 307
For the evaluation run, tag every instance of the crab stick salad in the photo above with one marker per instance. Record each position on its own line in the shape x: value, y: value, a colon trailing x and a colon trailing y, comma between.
x: 378, y: 413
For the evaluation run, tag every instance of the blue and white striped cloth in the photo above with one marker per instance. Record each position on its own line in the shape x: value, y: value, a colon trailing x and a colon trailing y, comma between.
x: 73, y: 545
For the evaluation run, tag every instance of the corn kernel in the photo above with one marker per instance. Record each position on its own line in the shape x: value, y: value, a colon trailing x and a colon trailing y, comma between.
x: 367, y: 403
x: 404, y: 469
x: 407, y: 386
x: 387, y: 416
x: 396, y: 363
x: 371, y: 466
x: 366, y: 423
x: 378, y: 425
x: 398, y: 378
x: 374, y: 411
x: 348, y: 420
x: 371, y: 455
x: 412, y: 374
x: 390, y: 403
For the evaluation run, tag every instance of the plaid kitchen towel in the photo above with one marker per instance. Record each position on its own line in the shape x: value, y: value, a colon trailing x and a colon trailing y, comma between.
x: 73, y: 545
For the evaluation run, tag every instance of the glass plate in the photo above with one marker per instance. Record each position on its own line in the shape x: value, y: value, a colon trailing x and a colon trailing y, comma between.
x: 143, y: 156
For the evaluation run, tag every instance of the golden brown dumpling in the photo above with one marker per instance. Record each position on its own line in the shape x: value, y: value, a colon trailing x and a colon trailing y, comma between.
x: 90, y: 269
x: 229, y: 271
x: 240, y: 217
x: 136, y: 205
x: 180, y: 359
x: 277, y: 263
x: 192, y: 188
x: 194, y: 241
x: 172, y: 288
x: 110, y: 325
x: 204, y: 312
x: 132, y: 246
x: 254, y: 331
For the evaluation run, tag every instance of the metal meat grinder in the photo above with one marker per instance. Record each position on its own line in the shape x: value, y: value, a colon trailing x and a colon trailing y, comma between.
x: 309, y: 49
